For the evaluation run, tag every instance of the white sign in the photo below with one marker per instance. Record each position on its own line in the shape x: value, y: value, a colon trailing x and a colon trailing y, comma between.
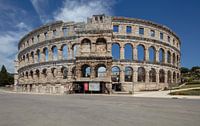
x: 94, y: 86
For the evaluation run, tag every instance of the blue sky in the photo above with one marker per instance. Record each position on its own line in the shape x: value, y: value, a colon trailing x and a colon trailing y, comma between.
x: 17, y: 17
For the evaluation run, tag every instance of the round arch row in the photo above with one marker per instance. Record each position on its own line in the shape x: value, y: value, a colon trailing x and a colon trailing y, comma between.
x: 142, y: 53
x: 49, y: 53
x: 46, y: 74
x: 144, y: 75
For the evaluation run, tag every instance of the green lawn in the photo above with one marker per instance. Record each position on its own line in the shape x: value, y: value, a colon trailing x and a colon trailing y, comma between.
x: 195, y: 92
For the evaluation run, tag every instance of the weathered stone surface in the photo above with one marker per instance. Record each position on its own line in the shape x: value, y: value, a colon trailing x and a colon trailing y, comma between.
x: 72, y: 47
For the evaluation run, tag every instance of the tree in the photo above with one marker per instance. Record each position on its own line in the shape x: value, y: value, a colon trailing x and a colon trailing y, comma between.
x: 195, y: 68
x: 5, y: 77
x: 184, y: 70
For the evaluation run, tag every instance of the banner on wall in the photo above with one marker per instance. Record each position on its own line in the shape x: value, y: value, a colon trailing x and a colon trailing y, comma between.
x: 85, y: 86
x: 94, y: 86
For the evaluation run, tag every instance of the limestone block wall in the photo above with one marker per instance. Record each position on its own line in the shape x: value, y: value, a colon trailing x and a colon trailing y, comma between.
x: 51, y: 57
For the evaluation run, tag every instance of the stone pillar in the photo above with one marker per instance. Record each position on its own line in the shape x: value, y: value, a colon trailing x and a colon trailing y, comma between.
x: 147, y: 76
x: 50, y: 54
x: 60, y: 56
x: 135, y: 74
x: 171, y: 59
x: 28, y: 88
x: 157, y: 56
x: 70, y: 52
x: 42, y: 58
x: 121, y: 52
x: 165, y: 56
x: 157, y: 76
x: 135, y: 55
x: 146, y: 55
x: 36, y: 57
x: 165, y: 76
x: 122, y: 75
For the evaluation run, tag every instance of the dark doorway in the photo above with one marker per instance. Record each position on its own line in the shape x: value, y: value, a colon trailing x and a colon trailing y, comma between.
x: 117, y: 87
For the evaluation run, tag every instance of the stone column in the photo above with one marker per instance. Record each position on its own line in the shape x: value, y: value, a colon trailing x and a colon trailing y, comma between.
x: 157, y: 76
x: 171, y: 59
x: 122, y: 75
x: 50, y: 54
x: 135, y: 55
x: 147, y: 76
x: 157, y: 56
x: 165, y: 76
x: 135, y: 74
x: 121, y: 52
x: 165, y: 56
x: 146, y: 55
x: 60, y: 56
x: 36, y: 57
x: 42, y: 58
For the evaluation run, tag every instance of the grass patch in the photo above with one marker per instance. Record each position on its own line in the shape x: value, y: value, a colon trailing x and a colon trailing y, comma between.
x: 195, y: 92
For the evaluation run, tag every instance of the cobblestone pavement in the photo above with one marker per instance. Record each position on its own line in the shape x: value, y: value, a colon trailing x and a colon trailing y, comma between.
x: 96, y: 110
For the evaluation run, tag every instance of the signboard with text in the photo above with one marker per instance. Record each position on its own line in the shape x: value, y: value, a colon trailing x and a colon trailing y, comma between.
x: 93, y: 86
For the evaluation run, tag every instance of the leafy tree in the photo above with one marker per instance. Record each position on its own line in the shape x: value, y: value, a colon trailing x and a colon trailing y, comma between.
x: 5, y: 77
x: 184, y: 70
x: 195, y: 68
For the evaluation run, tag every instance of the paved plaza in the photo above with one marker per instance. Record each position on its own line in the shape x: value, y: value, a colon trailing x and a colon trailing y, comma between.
x: 96, y: 110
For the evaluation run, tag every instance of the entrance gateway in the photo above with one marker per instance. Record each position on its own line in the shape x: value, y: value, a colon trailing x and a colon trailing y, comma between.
x: 89, y: 87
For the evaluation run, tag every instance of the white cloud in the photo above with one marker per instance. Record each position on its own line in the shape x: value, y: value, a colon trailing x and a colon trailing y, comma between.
x: 9, y: 45
x: 40, y: 7
x: 79, y: 10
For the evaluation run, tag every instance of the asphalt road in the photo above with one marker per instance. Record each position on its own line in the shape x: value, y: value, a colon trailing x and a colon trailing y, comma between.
x: 88, y: 110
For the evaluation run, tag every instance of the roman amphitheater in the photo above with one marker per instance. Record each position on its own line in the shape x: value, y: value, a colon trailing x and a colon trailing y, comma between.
x: 103, y: 55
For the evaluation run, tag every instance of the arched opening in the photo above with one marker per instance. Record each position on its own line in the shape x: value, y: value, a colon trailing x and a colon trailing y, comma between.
x: 174, y: 77
x: 86, y: 70
x: 178, y: 77
x: 27, y: 57
x: 141, y: 74
x: 152, y: 75
x: 169, y: 77
x: 161, y: 76
x: 128, y: 77
x: 101, y: 45
x: 64, y: 49
x: 23, y: 58
x: 177, y: 60
x: 53, y: 71
x: 37, y: 72
x: 31, y: 74
x: 46, y: 53
x: 116, y: 51
x: 44, y: 72
x: 174, y: 59
x: 141, y: 53
x: 26, y: 74
x: 32, y: 56
x: 128, y: 52
x: 152, y: 54
x: 115, y: 74
x: 64, y: 72
x: 168, y: 57
x: 86, y: 45
x: 74, y: 72
x: 101, y: 71
x: 74, y: 49
x: 55, y: 52
x: 38, y: 55
x: 161, y: 55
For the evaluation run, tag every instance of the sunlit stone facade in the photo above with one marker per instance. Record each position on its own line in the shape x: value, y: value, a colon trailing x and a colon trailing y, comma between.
x: 69, y: 57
